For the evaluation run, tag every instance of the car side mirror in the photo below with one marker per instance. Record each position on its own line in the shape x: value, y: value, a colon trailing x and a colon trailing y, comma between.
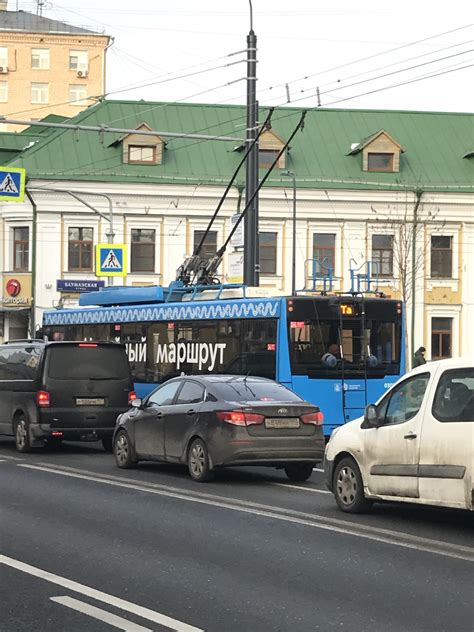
x: 137, y: 403
x: 371, y: 417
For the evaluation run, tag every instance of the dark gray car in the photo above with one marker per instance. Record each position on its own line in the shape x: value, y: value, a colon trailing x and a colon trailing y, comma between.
x: 208, y: 422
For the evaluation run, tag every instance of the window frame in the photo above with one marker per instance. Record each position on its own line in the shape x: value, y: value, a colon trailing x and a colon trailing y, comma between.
x: 440, y: 333
x: 36, y: 53
x: 4, y: 56
x: 323, y: 249
x: 384, y: 404
x: 149, y: 401
x: 25, y: 251
x: 3, y: 91
x: 378, y: 259
x: 138, y: 245
x: 269, y: 153
x: 385, y: 169
x: 208, y: 249
x: 449, y: 250
x: 454, y: 372
x: 74, y: 97
x: 136, y: 146
x: 82, y: 243
x: 80, y: 55
x: 177, y: 401
x: 262, y: 248
x: 36, y: 90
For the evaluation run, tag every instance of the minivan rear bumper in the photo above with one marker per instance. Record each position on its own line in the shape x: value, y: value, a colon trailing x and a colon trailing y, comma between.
x: 85, y: 425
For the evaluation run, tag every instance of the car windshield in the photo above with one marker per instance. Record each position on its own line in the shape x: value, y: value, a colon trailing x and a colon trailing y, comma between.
x: 74, y: 362
x: 241, y: 390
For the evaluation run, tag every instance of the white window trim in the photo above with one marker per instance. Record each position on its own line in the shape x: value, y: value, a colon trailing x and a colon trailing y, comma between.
x: 4, y: 56
x: 45, y: 88
x: 4, y: 85
x: 444, y: 311
x: 73, y: 94
x: 327, y: 229
x: 81, y: 55
x: 267, y: 227
x: 9, y: 246
x: 41, y: 57
x: 80, y: 222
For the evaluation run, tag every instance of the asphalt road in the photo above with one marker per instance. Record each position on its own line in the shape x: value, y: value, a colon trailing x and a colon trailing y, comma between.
x: 87, y: 547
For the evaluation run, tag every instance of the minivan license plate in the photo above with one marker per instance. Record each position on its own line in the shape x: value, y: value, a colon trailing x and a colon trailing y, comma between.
x: 90, y: 401
x: 282, y: 422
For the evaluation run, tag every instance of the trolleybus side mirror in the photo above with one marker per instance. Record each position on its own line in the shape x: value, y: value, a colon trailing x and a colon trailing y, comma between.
x: 371, y: 418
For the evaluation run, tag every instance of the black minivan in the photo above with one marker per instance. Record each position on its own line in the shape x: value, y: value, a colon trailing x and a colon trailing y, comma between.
x: 50, y: 391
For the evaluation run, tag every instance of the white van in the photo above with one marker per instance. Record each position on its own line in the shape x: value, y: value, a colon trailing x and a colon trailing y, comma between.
x: 415, y: 445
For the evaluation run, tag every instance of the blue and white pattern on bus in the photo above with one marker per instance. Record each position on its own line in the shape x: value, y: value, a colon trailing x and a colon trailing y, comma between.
x: 269, y: 308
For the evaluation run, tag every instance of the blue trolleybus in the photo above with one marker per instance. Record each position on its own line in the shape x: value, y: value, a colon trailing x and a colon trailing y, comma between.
x: 339, y: 352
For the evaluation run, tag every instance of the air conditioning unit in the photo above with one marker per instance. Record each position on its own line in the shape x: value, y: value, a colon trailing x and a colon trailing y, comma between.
x: 3, y: 70
x: 82, y: 73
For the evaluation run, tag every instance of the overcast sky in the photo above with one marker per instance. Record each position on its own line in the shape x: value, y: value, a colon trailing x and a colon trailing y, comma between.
x: 358, y: 54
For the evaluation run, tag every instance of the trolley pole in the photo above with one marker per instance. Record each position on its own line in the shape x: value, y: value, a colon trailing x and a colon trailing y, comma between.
x: 251, y: 248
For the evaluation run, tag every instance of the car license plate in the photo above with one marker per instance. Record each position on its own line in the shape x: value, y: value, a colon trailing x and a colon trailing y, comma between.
x: 90, y: 401
x: 282, y: 422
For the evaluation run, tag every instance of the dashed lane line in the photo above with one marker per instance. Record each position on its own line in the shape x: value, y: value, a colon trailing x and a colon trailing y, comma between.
x: 87, y: 591
x: 101, y: 615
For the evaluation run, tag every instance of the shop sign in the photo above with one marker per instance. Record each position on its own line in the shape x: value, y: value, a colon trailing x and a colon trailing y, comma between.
x: 16, y: 291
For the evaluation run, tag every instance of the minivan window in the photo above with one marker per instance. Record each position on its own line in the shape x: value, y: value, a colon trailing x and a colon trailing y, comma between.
x: 454, y: 397
x: 76, y: 362
x: 19, y: 363
x: 249, y: 391
x: 405, y: 400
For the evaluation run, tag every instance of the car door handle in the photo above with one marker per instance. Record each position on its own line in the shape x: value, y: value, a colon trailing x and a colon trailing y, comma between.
x: 191, y: 412
x: 158, y: 415
x: 410, y: 435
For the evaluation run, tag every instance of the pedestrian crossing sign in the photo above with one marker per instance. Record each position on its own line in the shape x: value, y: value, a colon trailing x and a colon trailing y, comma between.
x: 110, y: 260
x: 12, y: 184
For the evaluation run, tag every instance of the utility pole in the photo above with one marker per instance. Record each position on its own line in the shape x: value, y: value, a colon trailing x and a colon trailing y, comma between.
x: 290, y: 174
x: 251, y: 249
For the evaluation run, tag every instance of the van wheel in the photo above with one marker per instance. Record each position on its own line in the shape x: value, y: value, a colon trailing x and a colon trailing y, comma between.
x: 107, y: 444
x: 198, y: 462
x: 123, y: 451
x: 349, y: 487
x: 299, y: 472
x: 22, y: 434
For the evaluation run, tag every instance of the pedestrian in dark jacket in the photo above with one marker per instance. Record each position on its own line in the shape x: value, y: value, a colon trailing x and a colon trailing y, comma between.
x: 419, y: 357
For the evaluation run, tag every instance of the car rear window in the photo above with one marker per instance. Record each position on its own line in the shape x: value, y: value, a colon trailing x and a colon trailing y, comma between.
x: 249, y: 391
x: 454, y: 397
x: 71, y: 362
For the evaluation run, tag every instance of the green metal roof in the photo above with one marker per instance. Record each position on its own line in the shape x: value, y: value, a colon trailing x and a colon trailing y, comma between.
x: 434, y: 144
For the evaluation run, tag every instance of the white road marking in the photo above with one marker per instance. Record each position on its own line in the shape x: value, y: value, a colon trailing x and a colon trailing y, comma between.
x: 305, y: 489
x: 386, y: 536
x: 122, y: 604
x: 101, y: 615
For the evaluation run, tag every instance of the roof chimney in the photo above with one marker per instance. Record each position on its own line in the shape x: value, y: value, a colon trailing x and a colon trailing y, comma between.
x: 3, y: 5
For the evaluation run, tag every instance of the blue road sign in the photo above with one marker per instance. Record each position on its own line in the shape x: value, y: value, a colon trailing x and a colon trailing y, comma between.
x: 12, y: 184
x: 110, y: 260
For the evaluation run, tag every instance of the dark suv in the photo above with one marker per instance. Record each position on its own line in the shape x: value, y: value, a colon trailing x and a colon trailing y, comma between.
x: 50, y: 391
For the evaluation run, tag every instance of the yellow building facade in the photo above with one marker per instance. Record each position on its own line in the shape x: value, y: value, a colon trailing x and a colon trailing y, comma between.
x: 47, y: 67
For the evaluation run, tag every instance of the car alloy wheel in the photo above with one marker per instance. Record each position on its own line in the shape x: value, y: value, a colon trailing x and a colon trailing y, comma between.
x: 198, y: 462
x: 123, y: 451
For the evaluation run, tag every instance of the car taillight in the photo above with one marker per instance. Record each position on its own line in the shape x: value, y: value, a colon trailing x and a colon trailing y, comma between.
x: 131, y: 396
x: 313, y: 418
x: 87, y: 344
x: 43, y: 399
x: 238, y: 418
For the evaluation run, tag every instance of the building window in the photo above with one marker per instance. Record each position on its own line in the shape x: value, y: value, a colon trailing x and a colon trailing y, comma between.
x: 441, y: 257
x: 80, y: 245
x: 324, y: 253
x: 78, y: 60
x: 21, y: 249
x: 382, y: 255
x: 266, y: 157
x: 379, y: 162
x: 39, y: 93
x: 77, y: 95
x: 268, y: 252
x: 209, y: 247
x: 4, y: 58
x: 441, y: 338
x: 3, y: 91
x: 138, y: 154
x: 40, y: 58
x: 142, y: 250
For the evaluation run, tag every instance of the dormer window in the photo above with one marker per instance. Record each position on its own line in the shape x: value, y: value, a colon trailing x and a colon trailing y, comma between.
x: 141, y: 149
x: 266, y: 157
x: 270, y: 145
x: 380, y: 152
x: 379, y: 161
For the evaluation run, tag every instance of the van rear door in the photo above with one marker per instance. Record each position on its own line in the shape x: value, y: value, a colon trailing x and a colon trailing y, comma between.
x: 88, y: 384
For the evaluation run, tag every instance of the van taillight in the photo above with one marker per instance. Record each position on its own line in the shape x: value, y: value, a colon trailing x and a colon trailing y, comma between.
x: 131, y: 396
x: 43, y: 399
x: 313, y: 418
x: 238, y: 418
